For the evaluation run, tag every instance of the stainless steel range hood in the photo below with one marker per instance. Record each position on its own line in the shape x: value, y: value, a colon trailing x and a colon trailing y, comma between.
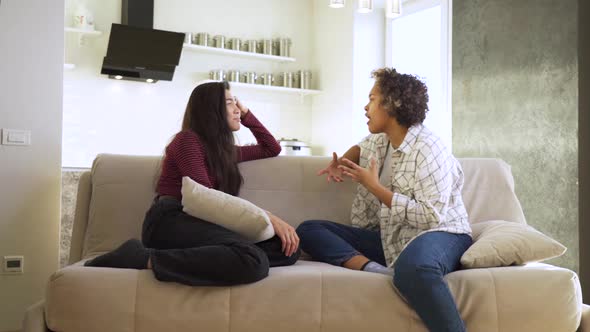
x: 138, y: 52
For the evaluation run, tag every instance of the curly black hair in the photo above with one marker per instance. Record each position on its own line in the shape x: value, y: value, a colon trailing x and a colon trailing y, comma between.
x: 404, y: 96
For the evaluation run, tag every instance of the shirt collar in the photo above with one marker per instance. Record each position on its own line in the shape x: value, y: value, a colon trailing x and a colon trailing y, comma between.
x: 410, y: 139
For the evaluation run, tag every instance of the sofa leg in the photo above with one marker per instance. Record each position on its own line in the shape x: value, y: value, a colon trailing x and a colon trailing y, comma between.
x: 34, y: 320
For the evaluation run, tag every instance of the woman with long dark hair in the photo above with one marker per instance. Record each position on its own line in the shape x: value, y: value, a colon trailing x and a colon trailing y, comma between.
x: 181, y: 248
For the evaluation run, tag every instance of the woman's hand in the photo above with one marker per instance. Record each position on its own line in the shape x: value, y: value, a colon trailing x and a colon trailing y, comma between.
x: 334, y: 173
x: 243, y: 109
x: 286, y: 233
x: 368, y: 177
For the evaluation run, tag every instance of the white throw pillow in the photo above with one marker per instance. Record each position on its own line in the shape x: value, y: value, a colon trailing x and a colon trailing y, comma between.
x: 504, y: 243
x: 231, y: 212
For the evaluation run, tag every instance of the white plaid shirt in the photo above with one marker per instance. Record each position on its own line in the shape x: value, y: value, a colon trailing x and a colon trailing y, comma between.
x: 426, y: 182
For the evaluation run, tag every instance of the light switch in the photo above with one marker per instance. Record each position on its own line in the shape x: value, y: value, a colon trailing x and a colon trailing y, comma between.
x: 16, y: 137
x: 13, y: 265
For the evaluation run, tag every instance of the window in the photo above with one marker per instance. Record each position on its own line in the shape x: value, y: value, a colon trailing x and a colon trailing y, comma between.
x: 419, y: 43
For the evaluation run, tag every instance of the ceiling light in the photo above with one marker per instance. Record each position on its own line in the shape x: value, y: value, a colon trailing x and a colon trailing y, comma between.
x: 394, y: 8
x: 336, y: 3
x: 365, y: 6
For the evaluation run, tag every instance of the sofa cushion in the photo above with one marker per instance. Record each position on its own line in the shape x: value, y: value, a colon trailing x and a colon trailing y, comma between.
x: 308, y: 296
x: 488, y: 191
x: 502, y: 243
x: 231, y: 212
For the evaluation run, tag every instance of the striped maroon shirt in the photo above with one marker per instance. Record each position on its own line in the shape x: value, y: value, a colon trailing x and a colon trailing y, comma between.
x: 185, y: 156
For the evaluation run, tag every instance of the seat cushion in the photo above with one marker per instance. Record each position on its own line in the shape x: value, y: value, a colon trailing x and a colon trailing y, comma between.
x: 309, y: 296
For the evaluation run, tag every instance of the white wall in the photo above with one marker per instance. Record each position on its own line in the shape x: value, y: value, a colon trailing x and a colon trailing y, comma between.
x: 332, y: 110
x: 103, y: 115
x: 368, y: 55
x: 347, y: 47
x: 31, y: 65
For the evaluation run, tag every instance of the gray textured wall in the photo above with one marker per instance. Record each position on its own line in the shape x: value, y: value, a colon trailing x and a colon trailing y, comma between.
x: 515, y: 97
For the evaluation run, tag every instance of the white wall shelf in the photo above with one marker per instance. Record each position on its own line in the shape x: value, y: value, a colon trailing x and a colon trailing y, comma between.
x: 82, y: 35
x: 215, y: 50
x: 271, y: 88
x: 83, y: 32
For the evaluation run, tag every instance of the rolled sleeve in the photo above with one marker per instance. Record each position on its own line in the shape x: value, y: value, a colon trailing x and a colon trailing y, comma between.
x: 432, y: 192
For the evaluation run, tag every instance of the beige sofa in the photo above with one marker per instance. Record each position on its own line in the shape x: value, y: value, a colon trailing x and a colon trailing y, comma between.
x: 309, y: 296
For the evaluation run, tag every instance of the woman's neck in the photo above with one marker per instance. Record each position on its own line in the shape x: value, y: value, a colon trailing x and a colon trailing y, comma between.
x: 396, y: 134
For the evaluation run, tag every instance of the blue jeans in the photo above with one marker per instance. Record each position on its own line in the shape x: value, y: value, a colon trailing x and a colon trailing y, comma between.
x: 418, y: 271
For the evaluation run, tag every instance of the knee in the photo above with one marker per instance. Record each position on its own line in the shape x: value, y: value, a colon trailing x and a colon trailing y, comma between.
x: 308, y: 226
x: 409, y: 276
x: 293, y: 258
x: 255, y: 264
x: 304, y: 227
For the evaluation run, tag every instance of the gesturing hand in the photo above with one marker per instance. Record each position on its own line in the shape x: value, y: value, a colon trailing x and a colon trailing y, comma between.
x: 365, y: 176
x: 334, y: 173
x: 286, y: 233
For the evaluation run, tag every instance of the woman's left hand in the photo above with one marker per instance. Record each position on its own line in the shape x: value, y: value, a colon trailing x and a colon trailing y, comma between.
x: 286, y: 233
x: 365, y: 176
x: 243, y: 109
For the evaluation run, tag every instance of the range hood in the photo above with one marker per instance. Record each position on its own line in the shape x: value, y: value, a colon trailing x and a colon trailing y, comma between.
x: 138, y: 52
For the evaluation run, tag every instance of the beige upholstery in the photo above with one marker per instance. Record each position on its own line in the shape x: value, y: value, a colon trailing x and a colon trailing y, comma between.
x: 585, y: 325
x: 308, y: 296
x: 34, y: 318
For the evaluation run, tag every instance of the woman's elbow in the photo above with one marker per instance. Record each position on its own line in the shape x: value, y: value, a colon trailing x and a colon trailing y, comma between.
x: 275, y: 150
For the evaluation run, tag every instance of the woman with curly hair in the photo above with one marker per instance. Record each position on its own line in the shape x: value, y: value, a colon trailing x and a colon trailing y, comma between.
x: 408, y: 218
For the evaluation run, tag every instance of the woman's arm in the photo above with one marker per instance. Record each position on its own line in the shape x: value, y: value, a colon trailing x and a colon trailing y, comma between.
x: 267, y: 146
x: 287, y: 234
x: 431, y: 193
x: 353, y: 154
x: 334, y: 172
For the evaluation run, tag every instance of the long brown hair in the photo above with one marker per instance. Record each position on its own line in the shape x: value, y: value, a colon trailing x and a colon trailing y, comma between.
x: 206, y: 115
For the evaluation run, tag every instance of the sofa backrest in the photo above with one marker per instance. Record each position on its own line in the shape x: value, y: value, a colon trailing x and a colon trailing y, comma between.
x: 114, y: 196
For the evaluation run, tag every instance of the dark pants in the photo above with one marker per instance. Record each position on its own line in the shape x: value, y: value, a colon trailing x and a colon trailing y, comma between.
x: 418, y: 271
x: 194, y: 252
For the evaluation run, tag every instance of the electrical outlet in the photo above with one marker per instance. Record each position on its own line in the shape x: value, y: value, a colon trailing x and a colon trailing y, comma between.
x: 13, y: 265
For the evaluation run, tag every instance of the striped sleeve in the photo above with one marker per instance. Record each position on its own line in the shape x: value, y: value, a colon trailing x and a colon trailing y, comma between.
x: 266, y: 147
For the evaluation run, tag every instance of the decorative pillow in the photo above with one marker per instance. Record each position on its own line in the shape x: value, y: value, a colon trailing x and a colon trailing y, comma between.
x: 231, y: 212
x: 504, y: 243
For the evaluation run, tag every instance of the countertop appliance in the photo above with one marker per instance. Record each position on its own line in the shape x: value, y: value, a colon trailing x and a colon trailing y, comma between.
x: 294, y: 147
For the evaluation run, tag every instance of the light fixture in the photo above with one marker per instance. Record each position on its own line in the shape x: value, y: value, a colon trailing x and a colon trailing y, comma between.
x: 336, y: 3
x: 149, y: 80
x: 365, y: 6
x: 394, y: 8
x: 118, y: 77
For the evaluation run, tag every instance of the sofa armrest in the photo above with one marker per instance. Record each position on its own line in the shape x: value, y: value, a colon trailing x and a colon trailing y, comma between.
x: 585, y: 323
x: 34, y: 320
